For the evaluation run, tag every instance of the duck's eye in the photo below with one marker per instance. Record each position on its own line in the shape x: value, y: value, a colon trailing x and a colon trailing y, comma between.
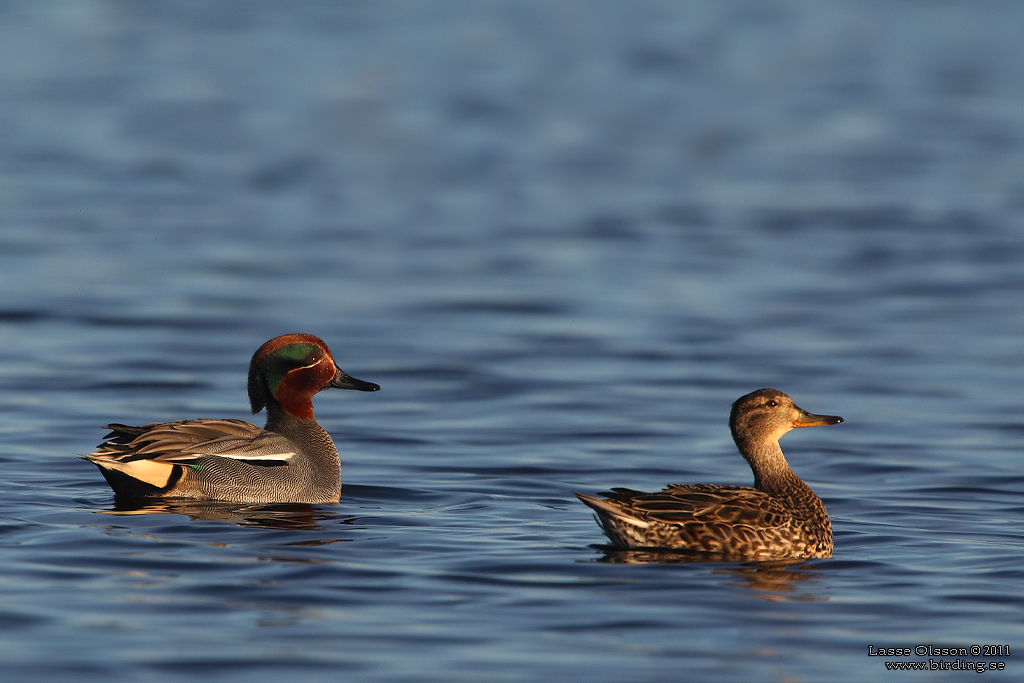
x: 772, y: 404
x: 313, y: 358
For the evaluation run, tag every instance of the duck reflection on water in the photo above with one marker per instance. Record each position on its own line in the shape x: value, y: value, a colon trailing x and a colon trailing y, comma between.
x: 296, y: 516
x: 775, y: 579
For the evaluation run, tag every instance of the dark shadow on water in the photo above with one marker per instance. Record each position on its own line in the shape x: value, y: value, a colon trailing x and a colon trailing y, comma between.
x: 776, y: 579
x: 298, y: 516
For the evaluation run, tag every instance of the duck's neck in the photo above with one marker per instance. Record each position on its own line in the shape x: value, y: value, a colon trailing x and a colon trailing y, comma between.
x: 772, y: 473
x: 278, y: 419
x: 283, y: 422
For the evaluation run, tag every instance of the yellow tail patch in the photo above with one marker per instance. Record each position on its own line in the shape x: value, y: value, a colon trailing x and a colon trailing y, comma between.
x: 154, y: 473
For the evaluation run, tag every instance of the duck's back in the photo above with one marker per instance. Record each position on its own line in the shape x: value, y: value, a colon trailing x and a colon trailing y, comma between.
x: 733, y: 521
x: 229, y: 460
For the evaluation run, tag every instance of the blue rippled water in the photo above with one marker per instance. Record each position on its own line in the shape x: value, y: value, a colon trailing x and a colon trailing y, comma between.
x: 563, y: 238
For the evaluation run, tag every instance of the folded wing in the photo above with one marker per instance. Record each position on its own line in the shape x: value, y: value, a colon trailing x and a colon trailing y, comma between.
x: 187, y: 441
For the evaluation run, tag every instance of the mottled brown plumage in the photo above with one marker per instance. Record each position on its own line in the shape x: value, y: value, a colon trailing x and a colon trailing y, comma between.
x: 780, y: 517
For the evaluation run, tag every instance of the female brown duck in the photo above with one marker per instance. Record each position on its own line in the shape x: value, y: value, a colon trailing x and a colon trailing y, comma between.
x: 780, y: 517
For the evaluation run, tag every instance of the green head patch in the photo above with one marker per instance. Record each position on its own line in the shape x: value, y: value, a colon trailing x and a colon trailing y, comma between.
x: 270, y: 366
x: 288, y: 358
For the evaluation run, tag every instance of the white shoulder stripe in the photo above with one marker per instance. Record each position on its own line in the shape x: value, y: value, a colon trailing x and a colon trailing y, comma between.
x: 257, y: 456
x: 189, y: 458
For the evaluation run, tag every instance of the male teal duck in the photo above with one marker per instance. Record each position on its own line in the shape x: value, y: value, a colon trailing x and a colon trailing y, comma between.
x: 780, y: 517
x: 291, y: 460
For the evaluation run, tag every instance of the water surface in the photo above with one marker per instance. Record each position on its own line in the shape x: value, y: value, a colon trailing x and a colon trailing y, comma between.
x: 563, y: 240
